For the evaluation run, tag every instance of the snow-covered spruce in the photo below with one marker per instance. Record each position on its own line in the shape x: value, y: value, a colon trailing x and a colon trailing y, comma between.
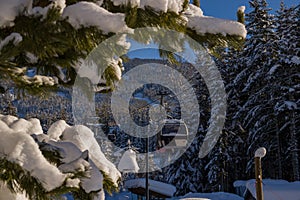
x: 23, y: 141
x: 98, y: 20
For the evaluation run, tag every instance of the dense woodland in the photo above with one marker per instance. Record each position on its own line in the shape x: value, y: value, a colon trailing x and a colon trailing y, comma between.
x: 262, y: 80
x: 262, y: 83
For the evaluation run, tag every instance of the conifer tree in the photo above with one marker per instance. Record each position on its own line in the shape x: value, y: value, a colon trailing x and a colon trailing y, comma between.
x: 41, y: 48
x: 285, y: 72
x: 42, y: 39
x: 263, y: 87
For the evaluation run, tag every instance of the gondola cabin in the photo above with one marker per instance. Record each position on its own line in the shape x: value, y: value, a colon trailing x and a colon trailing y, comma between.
x: 112, y: 133
x: 173, y: 134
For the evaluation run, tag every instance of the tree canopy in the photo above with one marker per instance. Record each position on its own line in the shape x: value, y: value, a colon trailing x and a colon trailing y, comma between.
x: 42, y: 43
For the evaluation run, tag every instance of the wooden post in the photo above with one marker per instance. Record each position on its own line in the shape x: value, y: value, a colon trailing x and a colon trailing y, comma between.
x: 259, y: 153
x: 258, y: 177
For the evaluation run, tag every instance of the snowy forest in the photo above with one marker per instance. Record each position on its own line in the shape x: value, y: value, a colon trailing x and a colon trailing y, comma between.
x: 42, y: 49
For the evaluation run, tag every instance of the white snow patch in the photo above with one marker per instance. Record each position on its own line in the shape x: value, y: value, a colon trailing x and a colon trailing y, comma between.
x: 76, y: 161
x: 9, y: 9
x: 128, y: 162
x: 56, y: 129
x: 90, y: 14
x: 205, y: 24
x: 273, y: 69
x: 40, y: 80
x: 31, y: 57
x: 175, y: 5
x: 73, y: 182
x: 126, y: 2
x: 239, y: 183
x: 8, y: 119
x: 193, y: 10
x: 60, y: 4
x: 290, y: 105
x: 210, y: 196
x: 296, y: 60
x: 15, y: 37
x: 274, y: 189
x: 94, y: 182
x: 156, y: 186
x: 18, y: 145
x: 163, y: 5
x: 78, y: 165
x: 31, y: 126
x: 84, y: 139
x: 36, y: 127
x: 20, y: 148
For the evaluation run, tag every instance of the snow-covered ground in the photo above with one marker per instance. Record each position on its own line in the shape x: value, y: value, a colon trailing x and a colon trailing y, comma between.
x: 192, y: 196
x: 272, y: 189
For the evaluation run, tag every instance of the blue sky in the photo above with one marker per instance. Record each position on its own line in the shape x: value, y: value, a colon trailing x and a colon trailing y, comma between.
x: 227, y: 8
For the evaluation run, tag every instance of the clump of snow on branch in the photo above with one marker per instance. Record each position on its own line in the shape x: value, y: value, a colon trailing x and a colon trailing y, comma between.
x: 90, y: 70
x: 40, y: 80
x: 61, y: 4
x: 193, y: 11
x: 84, y: 139
x: 9, y: 9
x: 19, y: 147
x: 126, y: 2
x: 160, y: 6
x: 16, y: 38
x: 90, y: 14
x: 94, y: 70
x: 77, y: 147
x: 86, y: 14
x: 205, y: 24
x: 163, y: 5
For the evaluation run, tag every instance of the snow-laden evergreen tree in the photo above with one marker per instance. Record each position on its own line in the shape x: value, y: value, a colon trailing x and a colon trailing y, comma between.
x: 251, y: 83
x: 226, y: 162
x: 50, y: 37
x: 43, y: 43
x: 286, y: 74
x: 187, y: 173
x: 264, y: 87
